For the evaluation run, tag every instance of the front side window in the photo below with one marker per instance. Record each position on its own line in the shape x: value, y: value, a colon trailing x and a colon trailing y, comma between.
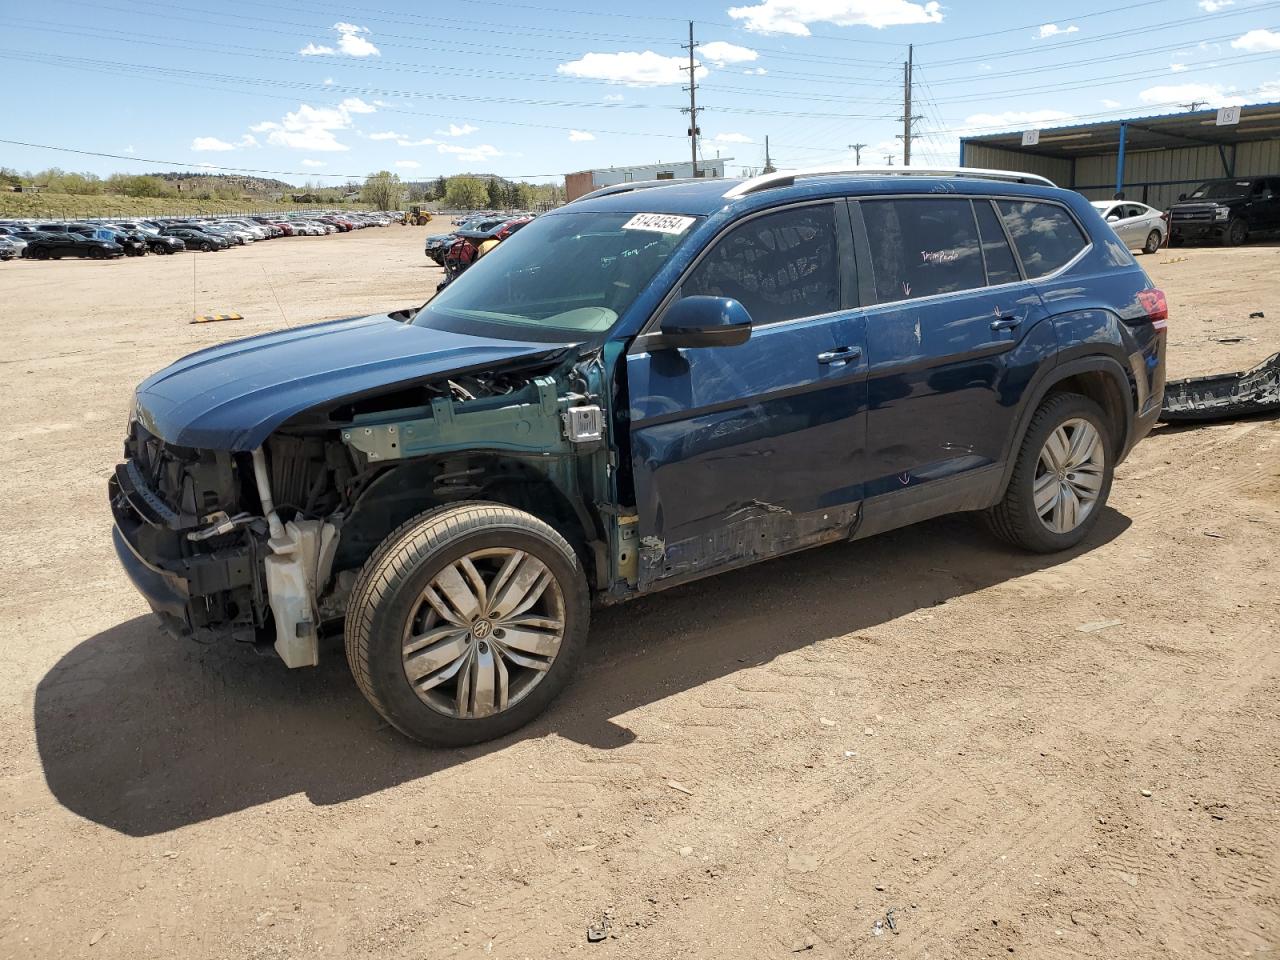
x: 921, y: 247
x: 780, y: 266
x: 1046, y: 236
x: 563, y: 276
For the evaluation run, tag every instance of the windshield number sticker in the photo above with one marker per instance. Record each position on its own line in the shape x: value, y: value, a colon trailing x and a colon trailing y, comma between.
x: 659, y: 223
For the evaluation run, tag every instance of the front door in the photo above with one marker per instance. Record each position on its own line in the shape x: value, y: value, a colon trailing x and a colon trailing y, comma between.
x: 744, y: 452
x: 952, y: 307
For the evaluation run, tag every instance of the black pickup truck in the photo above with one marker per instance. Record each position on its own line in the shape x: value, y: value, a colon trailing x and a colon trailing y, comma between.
x: 1226, y: 210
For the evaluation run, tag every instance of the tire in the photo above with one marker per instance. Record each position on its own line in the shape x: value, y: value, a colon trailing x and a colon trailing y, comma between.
x: 1237, y: 233
x: 1153, y: 242
x: 1016, y: 518
x: 206, y: 246
x: 96, y: 254
x: 388, y: 606
x: 39, y: 254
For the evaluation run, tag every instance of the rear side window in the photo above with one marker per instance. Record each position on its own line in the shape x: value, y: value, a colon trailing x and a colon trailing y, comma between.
x: 780, y: 266
x: 922, y: 247
x: 1046, y: 236
x: 1001, y: 266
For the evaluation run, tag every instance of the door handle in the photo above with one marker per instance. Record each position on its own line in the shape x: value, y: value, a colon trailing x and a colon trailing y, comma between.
x: 1005, y: 323
x: 840, y: 355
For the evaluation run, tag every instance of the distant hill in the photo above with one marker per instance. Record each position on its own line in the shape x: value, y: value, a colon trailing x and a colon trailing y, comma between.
x: 241, y: 183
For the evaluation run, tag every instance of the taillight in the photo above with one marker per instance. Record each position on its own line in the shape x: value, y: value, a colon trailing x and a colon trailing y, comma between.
x: 1156, y: 307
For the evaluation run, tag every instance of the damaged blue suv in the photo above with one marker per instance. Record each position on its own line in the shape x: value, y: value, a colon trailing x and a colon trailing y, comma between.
x: 654, y: 383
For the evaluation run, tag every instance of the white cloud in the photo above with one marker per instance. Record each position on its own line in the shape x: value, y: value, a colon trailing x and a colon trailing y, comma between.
x: 408, y: 164
x: 313, y: 163
x: 207, y: 144
x: 470, y: 154
x: 580, y: 136
x: 718, y: 53
x: 248, y: 140
x: 1011, y: 120
x: 129, y: 149
x: 1048, y: 30
x: 328, y: 81
x: 613, y: 98
x: 1177, y: 93
x: 458, y: 131
x: 794, y: 16
x: 402, y: 139
x: 755, y: 71
x: 631, y: 68
x: 1177, y: 67
x: 352, y: 40
x: 1257, y: 41
x: 731, y: 138
x: 313, y: 128
x: 211, y: 166
x: 387, y: 135
x: 1111, y: 104
x: 1213, y: 6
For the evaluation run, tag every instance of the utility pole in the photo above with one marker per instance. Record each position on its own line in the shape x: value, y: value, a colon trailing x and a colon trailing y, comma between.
x: 888, y: 159
x: 1194, y: 105
x: 768, y: 162
x: 692, y: 109
x: 857, y: 153
x: 907, y: 118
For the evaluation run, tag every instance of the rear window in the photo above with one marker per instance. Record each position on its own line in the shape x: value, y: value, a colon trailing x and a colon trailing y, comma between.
x: 922, y: 247
x: 1046, y: 236
x: 1001, y: 266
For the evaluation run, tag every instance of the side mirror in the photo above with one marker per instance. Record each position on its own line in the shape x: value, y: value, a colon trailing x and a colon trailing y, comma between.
x: 705, y: 322
x: 1112, y: 216
x: 1181, y: 197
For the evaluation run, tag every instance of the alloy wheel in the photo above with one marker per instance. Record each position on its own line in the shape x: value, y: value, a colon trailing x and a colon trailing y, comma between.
x: 483, y: 633
x: 1069, y: 475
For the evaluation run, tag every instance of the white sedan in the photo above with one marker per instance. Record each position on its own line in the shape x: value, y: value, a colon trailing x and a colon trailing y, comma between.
x: 1139, y: 226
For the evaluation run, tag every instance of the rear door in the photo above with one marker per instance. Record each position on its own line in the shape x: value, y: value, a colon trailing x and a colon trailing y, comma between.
x: 743, y: 452
x: 952, y: 309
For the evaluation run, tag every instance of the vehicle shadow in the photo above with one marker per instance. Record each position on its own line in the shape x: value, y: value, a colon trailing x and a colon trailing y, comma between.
x: 145, y: 734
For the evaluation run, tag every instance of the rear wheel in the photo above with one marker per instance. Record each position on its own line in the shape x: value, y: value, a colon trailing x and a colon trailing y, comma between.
x: 206, y: 246
x: 1237, y: 233
x: 1061, y: 479
x: 97, y: 254
x: 466, y: 622
x: 1153, y: 242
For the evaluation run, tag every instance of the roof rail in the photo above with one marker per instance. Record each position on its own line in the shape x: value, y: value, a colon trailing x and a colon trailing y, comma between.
x: 627, y: 187
x: 784, y: 178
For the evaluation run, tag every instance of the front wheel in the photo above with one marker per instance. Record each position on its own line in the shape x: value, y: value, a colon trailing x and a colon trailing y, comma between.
x: 1237, y: 233
x: 206, y: 246
x: 1153, y: 242
x: 466, y: 622
x: 1061, y: 479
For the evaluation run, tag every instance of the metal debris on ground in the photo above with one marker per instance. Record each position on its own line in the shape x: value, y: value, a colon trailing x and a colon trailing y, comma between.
x: 1096, y: 625
x: 1233, y: 338
x: 1257, y: 314
x: 1223, y: 396
x: 598, y: 931
x: 889, y: 920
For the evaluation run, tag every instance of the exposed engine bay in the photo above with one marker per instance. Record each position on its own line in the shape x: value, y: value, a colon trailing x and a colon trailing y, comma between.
x: 264, y: 546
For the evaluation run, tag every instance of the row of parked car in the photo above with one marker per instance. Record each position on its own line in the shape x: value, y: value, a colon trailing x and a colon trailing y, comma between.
x: 108, y: 239
x: 476, y: 229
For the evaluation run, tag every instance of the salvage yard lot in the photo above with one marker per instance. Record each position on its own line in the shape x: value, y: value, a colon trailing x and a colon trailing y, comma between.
x: 1067, y: 756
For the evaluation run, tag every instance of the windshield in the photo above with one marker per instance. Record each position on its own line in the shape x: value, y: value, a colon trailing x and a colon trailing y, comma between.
x: 559, y: 278
x: 1219, y: 189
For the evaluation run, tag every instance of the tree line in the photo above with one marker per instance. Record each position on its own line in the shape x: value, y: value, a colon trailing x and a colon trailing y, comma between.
x: 386, y: 191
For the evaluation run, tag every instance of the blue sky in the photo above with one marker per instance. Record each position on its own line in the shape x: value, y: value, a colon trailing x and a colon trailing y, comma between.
x: 320, y: 89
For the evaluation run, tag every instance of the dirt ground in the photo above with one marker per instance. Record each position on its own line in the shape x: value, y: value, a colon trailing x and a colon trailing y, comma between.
x: 1055, y: 757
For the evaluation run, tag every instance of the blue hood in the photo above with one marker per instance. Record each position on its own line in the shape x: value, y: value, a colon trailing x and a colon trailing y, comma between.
x: 231, y: 397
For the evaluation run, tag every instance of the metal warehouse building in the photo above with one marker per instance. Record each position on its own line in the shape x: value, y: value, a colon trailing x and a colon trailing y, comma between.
x: 1151, y: 159
x: 581, y: 183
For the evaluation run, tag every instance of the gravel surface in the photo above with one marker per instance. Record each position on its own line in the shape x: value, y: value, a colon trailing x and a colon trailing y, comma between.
x: 922, y: 745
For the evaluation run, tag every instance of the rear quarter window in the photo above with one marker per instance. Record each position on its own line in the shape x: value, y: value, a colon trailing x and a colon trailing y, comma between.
x: 1046, y: 236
